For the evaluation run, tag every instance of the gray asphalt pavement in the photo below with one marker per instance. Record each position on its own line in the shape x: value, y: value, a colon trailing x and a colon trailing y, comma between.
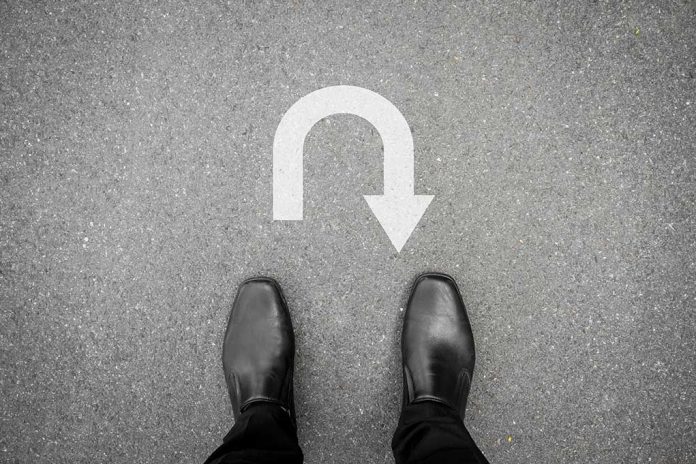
x: 135, y: 195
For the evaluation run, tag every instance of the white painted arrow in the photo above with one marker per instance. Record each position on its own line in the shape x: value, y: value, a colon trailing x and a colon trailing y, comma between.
x: 398, y: 210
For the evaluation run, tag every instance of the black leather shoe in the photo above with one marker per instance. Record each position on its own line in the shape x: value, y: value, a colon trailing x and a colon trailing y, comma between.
x: 437, y: 345
x: 258, y: 354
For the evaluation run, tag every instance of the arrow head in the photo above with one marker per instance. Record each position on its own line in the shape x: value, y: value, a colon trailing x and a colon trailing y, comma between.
x: 398, y: 214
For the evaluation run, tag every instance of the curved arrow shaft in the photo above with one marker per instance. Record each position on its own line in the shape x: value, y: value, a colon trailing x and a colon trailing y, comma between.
x: 288, y: 143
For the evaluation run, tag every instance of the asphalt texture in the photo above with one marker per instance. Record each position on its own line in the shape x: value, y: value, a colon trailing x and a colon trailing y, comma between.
x: 135, y: 195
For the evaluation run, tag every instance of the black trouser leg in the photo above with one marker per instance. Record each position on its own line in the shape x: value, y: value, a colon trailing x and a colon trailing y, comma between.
x: 430, y: 432
x: 263, y: 434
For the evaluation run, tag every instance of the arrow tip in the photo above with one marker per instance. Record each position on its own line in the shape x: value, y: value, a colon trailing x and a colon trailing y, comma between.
x: 398, y: 215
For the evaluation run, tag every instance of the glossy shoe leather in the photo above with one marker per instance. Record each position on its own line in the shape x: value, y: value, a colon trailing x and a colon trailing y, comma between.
x: 437, y: 345
x: 258, y: 353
